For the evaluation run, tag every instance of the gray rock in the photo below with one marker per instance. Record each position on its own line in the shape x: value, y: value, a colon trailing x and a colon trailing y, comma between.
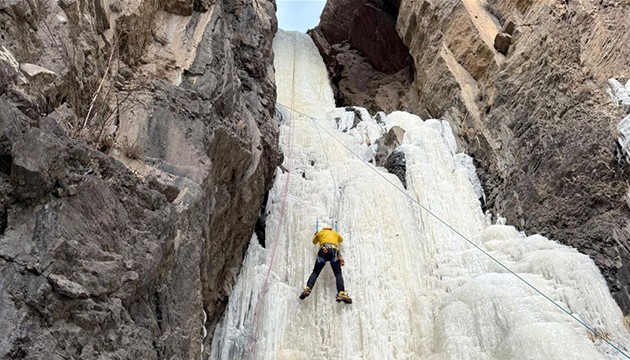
x: 125, y: 71
x: 67, y: 288
x: 105, y: 260
x: 10, y: 75
x: 65, y: 4
x: 388, y: 143
x: 179, y: 7
x: 35, y: 72
x: 115, y: 6
x: 32, y: 165
x: 368, y: 63
x: 397, y: 165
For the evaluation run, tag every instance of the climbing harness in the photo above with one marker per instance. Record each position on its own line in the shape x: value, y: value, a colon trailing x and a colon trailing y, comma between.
x: 594, y: 332
x: 325, y: 247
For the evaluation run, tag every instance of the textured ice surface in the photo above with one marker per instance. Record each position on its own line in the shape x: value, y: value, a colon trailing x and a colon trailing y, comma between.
x: 619, y: 93
x: 464, y: 163
x: 420, y: 291
x: 624, y: 137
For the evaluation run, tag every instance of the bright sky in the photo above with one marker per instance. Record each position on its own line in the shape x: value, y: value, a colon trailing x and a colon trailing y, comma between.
x: 299, y: 15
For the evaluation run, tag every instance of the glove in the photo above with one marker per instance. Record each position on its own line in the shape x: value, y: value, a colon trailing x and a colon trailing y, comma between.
x: 342, y: 262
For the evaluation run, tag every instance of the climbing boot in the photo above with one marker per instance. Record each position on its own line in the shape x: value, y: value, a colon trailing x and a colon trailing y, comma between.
x: 342, y: 296
x: 305, y: 293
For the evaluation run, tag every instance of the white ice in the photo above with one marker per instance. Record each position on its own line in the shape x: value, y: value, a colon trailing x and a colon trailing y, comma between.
x: 619, y: 93
x: 420, y: 290
x: 623, y: 138
x: 620, y: 96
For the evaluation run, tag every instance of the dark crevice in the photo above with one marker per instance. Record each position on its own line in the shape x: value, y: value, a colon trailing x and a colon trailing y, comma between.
x: 157, y: 349
x: 391, y: 8
x: 5, y: 164
x: 158, y: 310
x: 158, y: 319
x: 19, y: 348
x: 198, y: 5
x: 4, y: 220
x: 260, y: 222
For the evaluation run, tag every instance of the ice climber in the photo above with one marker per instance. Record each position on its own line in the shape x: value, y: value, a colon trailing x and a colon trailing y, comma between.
x: 329, y: 242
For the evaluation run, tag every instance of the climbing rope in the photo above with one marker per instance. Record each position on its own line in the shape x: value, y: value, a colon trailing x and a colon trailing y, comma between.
x: 335, y: 207
x: 404, y: 192
x: 252, y: 346
x: 283, y: 203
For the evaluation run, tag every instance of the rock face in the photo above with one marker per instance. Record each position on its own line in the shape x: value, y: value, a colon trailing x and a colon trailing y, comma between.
x: 388, y: 144
x: 397, y: 165
x: 368, y: 62
x: 524, y: 86
x: 502, y: 43
x: 136, y: 148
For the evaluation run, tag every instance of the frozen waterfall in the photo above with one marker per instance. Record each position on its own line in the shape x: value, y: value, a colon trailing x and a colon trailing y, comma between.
x: 420, y: 291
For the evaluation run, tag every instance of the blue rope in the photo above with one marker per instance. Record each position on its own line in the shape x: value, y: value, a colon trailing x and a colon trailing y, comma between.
x: 597, y: 334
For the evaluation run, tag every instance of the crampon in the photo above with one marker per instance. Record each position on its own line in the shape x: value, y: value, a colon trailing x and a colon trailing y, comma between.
x: 342, y: 296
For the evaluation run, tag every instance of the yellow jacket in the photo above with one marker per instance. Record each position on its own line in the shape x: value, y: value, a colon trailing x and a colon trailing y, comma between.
x: 327, y: 236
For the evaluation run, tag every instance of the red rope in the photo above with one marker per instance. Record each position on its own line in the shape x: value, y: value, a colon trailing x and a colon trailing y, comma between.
x: 263, y: 290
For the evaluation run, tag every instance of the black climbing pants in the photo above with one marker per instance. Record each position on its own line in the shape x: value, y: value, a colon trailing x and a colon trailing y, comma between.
x: 322, y: 258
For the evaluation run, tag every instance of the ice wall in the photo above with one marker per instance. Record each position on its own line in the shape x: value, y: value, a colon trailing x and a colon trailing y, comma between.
x: 420, y: 291
x: 620, y: 96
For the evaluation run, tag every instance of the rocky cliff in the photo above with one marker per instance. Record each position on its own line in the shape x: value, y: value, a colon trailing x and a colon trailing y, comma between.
x: 367, y: 61
x: 524, y: 84
x: 137, y: 142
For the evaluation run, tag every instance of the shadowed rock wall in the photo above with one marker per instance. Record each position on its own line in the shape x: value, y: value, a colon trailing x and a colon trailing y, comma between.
x: 136, y: 146
x: 367, y: 61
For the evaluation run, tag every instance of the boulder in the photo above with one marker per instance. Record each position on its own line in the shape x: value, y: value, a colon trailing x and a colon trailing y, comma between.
x: 10, y: 74
x: 388, y: 144
x: 502, y: 42
x: 397, y: 165
x: 37, y: 73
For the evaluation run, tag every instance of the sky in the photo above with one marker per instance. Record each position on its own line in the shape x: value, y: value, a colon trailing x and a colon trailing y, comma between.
x: 299, y: 15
